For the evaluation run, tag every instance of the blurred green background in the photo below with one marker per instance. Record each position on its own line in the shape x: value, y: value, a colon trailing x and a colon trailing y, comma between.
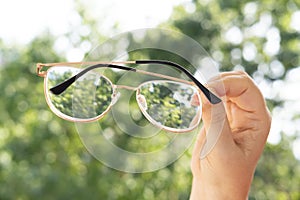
x: 41, y: 156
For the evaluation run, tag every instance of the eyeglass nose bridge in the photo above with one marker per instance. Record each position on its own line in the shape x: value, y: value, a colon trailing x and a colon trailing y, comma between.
x: 116, y: 95
x: 126, y: 87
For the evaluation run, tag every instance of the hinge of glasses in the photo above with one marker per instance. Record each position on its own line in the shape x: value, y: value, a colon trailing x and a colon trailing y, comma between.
x: 39, y: 70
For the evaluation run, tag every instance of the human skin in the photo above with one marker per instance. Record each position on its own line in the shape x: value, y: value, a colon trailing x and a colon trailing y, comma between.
x: 227, y: 171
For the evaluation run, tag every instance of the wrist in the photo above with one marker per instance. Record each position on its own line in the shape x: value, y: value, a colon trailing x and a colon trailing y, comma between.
x: 202, y: 191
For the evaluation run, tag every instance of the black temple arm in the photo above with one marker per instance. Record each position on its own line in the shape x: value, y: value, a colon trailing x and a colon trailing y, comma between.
x: 208, y: 94
x: 61, y: 87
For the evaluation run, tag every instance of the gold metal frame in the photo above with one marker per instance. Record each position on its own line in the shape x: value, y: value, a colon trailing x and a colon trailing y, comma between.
x: 42, y: 73
x: 42, y: 69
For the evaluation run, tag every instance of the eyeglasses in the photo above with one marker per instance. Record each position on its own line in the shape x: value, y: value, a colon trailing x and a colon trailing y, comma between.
x: 85, y: 95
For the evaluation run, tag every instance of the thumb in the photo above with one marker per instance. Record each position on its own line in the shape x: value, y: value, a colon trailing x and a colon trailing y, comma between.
x: 218, y: 133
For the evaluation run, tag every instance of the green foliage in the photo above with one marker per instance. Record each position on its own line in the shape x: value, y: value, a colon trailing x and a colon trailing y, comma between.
x: 277, y: 175
x: 42, y: 157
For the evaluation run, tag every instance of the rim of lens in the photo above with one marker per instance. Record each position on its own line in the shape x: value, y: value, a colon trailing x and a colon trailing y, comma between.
x: 67, y: 117
x: 159, y: 125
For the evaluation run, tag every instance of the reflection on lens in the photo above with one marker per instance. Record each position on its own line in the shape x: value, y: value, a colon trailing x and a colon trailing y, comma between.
x: 88, y: 97
x: 170, y: 105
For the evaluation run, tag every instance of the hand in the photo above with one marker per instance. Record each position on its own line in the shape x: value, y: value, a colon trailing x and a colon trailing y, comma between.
x: 227, y: 171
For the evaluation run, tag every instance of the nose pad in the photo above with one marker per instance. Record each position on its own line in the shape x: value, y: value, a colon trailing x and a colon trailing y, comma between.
x: 142, y: 101
x: 115, y: 98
